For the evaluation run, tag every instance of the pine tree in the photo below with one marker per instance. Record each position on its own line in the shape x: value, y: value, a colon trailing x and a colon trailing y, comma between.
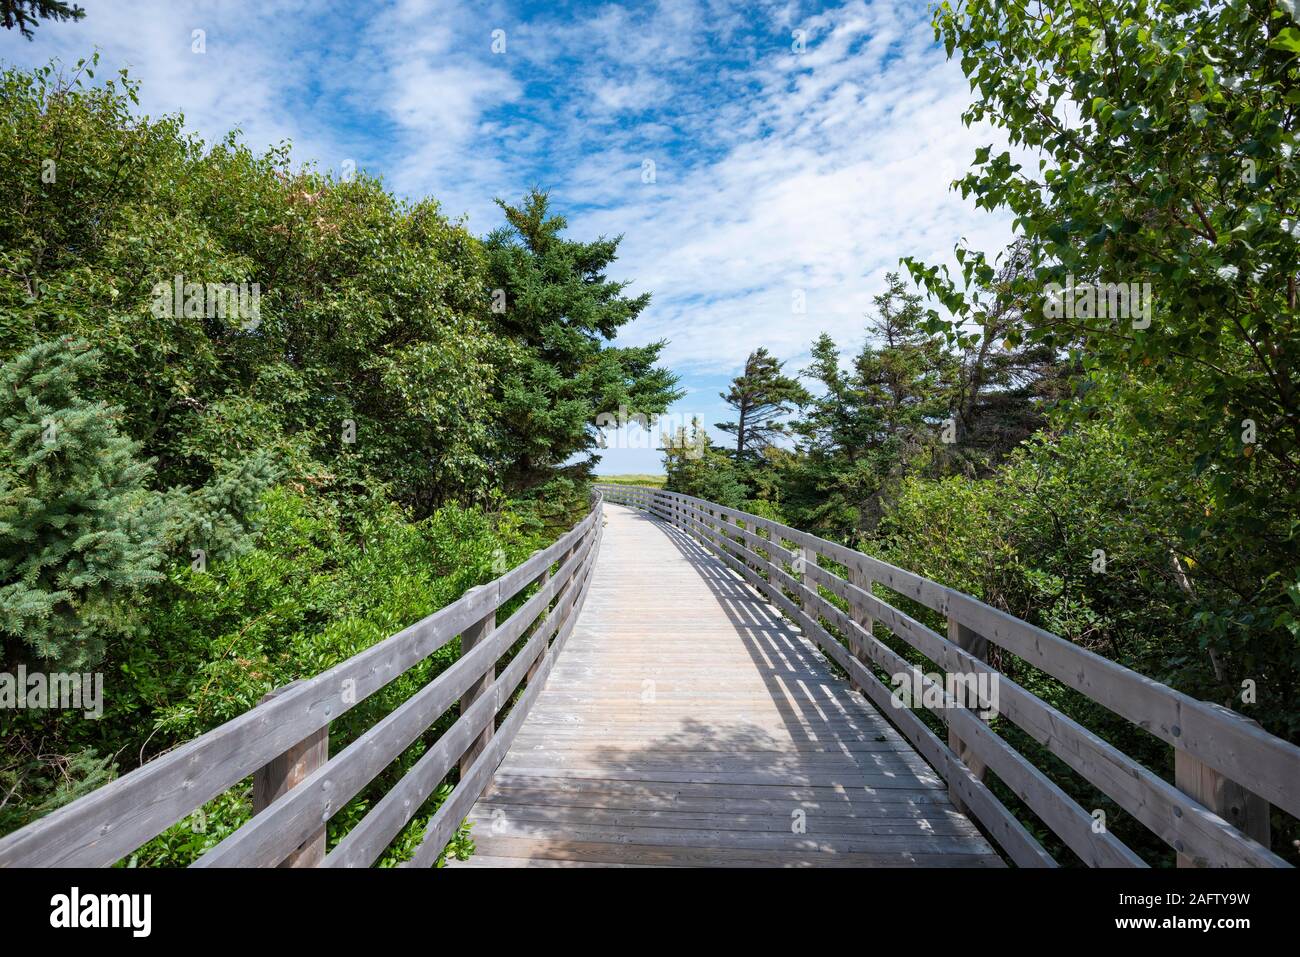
x: 761, y: 396
x: 904, y: 372
x: 78, y: 535
x: 23, y: 14
x: 869, y: 426
x: 556, y: 309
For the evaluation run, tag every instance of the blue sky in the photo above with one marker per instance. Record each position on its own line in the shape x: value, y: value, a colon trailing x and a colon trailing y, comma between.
x: 779, y: 173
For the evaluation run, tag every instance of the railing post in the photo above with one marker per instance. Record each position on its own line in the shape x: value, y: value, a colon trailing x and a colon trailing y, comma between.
x: 802, y: 555
x: 970, y: 641
x: 287, y: 771
x: 471, y: 638
x: 560, y: 593
x: 540, y: 582
x: 861, y: 615
x: 749, y: 564
x: 1243, y: 809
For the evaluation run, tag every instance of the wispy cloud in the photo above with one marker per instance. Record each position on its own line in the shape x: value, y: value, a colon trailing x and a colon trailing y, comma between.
x: 778, y: 173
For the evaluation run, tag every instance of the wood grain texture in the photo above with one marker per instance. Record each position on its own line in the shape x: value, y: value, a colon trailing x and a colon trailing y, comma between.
x: 286, y: 772
x: 687, y: 724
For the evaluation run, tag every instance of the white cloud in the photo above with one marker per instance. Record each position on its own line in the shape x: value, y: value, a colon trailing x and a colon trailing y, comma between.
x: 775, y: 171
x: 241, y: 81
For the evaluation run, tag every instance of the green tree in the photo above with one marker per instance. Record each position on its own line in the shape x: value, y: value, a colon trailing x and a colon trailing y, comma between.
x: 368, y: 361
x: 556, y: 311
x: 869, y: 426
x: 694, y: 466
x: 1175, y: 172
x: 760, y: 396
x: 78, y: 539
x: 1006, y: 382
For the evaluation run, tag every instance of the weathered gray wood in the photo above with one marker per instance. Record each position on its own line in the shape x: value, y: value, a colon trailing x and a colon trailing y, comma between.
x: 361, y: 846
x: 863, y: 617
x: 1189, y: 724
x: 448, y: 817
x: 1166, y: 811
x: 515, y: 852
x: 1228, y: 742
x: 686, y: 679
x: 266, y: 836
x: 108, y: 824
x: 111, y: 822
x: 541, y: 582
x: 1066, y: 818
x: 1223, y: 740
x: 970, y: 641
x: 1041, y: 794
x: 1247, y: 812
x: 756, y: 549
x: 1012, y: 836
x: 469, y: 639
x: 287, y: 771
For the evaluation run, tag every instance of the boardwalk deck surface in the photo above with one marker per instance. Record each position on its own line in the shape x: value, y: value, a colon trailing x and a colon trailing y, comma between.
x: 687, y: 724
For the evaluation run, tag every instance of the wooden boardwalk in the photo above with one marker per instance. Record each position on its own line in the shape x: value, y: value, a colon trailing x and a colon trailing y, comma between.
x: 665, y: 715
x: 687, y: 724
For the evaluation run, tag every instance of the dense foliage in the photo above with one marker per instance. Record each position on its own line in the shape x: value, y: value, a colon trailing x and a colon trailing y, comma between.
x: 256, y: 419
x: 1174, y: 171
x: 760, y: 396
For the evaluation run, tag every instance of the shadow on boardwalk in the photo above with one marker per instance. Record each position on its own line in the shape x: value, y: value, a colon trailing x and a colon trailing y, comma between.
x: 688, y: 724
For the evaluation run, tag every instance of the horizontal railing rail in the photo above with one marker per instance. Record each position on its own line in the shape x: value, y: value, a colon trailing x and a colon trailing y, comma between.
x: 1227, y: 769
x: 283, y: 742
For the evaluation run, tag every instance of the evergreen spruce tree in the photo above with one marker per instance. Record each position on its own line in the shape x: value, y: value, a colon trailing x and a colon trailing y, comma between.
x: 695, y: 467
x: 1007, y: 380
x: 77, y: 533
x: 761, y: 395
x: 869, y: 426
x: 556, y: 310
x: 23, y: 14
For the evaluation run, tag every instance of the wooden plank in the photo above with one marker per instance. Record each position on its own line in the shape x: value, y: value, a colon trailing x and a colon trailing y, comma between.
x: 1170, y: 814
x: 1247, y: 812
x: 969, y: 641
x: 109, y: 823
x: 1226, y: 741
x: 629, y: 854
x: 681, y: 696
x: 473, y: 636
x: 861, y: 615
x: 286, y: 772
x: 872, y: 804
x: 361, y: 846
x: 1047, y: 800
x: 1012, y: 836
x: 1194, y: 727
x: 541, y: 582
x: 112, y: 821
x: 447, y: 818
x: 264, y: 837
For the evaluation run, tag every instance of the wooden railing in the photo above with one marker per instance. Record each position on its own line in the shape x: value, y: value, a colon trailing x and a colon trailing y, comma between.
x: 283, y: 742
x: 1227, y: 769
